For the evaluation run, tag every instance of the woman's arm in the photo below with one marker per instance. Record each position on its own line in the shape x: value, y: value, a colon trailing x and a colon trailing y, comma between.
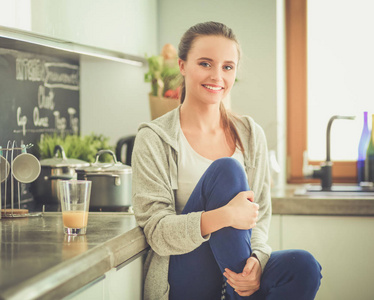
x: 153, y: 198
x: 261, y: 181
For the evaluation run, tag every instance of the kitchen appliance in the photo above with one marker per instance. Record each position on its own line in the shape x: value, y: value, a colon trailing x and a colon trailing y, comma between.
x: 45, y: 188
x: 124, y: 149
x: 111, y: 182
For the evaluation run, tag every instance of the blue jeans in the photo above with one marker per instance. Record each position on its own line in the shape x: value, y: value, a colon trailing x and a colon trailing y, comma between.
x: 289, y: 274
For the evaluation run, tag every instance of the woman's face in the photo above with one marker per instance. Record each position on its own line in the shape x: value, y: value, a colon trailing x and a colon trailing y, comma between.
x: 210, y: 69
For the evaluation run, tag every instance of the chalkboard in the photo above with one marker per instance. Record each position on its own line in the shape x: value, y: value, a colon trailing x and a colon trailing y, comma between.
x: 39, y: 94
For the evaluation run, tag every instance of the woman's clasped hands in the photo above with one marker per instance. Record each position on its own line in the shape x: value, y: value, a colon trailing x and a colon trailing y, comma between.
x: 244, y: 215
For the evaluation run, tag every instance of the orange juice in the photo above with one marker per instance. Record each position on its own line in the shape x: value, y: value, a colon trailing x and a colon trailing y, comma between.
x: 75, y: 219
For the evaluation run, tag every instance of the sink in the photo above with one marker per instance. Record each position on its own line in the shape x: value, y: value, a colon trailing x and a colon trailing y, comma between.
x: 336, y: 191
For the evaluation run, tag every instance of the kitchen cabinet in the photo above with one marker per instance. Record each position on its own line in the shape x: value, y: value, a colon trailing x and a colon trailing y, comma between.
x: 274, y: 240
x: 93, y: 291
x: 343, y: 246
x: 118, y: 283
x: 125, y: 26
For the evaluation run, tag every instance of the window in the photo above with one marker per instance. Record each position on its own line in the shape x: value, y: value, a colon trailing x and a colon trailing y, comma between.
x: 340, y: 74
x: 336, y: 72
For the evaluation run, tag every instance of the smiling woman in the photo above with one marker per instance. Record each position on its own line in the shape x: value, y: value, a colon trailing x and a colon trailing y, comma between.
x: 201, y: 190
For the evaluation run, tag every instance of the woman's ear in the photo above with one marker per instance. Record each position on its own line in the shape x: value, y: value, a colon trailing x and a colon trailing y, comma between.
x: 181, y: 64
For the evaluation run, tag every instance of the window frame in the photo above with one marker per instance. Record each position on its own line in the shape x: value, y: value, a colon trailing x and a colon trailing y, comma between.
x: 296, y: 76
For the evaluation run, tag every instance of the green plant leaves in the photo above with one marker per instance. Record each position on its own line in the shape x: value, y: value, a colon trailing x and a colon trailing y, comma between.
x: 84, y: 148
x: 159, y: 70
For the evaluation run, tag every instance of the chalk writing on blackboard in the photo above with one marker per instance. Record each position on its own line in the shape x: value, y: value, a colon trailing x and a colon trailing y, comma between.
x: 39, y: 95
x: 62, y: 75
x: 51, y: 75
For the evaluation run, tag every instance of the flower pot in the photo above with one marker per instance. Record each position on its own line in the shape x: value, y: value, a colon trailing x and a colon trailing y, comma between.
x: 161, y: 105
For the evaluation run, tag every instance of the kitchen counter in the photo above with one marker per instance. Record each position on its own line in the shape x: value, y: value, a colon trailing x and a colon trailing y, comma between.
x: 38, y: 260
x: 331, y: 228
x: 285, y: 202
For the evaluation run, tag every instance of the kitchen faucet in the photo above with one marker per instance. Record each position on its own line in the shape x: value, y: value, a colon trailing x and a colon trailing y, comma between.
x: 324, y: 171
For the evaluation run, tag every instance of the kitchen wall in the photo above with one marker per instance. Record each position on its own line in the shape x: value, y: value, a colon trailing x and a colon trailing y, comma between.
x: 114, y: 98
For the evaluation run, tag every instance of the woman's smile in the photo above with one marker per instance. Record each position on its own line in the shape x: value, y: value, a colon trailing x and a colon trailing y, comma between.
x: 213, y: 88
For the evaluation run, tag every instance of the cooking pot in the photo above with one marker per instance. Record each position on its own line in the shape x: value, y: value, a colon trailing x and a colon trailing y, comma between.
x: 111, y: 182
x: 45, y: 188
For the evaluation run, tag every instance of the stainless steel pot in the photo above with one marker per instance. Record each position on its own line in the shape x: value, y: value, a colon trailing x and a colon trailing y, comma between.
x: 111, y: 182
x: 45, y: 188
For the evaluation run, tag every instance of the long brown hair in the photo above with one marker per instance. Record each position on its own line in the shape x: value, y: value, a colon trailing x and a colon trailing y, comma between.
x: 208, y: 29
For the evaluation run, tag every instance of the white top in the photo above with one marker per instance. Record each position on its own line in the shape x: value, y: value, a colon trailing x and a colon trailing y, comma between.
x: 191, y: 166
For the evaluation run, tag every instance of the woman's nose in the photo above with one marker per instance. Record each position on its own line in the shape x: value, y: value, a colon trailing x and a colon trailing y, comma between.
x: 216, y: 74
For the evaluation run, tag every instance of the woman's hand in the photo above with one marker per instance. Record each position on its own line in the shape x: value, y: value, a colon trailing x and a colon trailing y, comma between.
x: 239, y: 213
x: 243, y: 213
x: 247, y: 282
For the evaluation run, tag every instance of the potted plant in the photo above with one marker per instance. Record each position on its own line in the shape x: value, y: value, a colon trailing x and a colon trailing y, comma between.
x: 163, y: 74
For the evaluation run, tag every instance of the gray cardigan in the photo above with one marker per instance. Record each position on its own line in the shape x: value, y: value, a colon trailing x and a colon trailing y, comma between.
x: 155, y: 171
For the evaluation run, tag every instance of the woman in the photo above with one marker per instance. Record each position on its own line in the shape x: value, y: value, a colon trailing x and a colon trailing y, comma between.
x: 192, y: 173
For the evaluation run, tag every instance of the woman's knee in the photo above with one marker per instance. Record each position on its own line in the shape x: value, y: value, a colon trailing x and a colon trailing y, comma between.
x: 306, y: 266
x: 221, y: 182
x: 291, y: 274
x: 228, y: 163
x: 229, y: 168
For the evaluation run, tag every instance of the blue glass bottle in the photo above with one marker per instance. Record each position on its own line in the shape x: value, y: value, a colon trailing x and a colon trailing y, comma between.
x: 370, y: 154
x: 362, y: 148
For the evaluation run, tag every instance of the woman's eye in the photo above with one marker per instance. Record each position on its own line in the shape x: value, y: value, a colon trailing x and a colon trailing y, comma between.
x: 204, y: 64
x: 228, y: 68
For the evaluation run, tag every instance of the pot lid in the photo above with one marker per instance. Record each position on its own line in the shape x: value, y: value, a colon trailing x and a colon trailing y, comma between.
x: 112, y: 168
x: 59, y: 162
x: 63, y: 161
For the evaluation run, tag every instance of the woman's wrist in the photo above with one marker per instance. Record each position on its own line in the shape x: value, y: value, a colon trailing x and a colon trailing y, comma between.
x: 215, y: 220
x: 226, y: 216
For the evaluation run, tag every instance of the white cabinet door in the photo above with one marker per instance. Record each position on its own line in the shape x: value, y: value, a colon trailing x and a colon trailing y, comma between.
x: 125, y: 283
x: 92, y: 291
x: 118, y: 283
x: 274, y: 240
x: 344, y: 246
x: 126, y: 26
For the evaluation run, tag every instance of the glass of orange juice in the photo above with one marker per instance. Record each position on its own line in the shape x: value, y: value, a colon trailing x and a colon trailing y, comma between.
x: 75, y: 202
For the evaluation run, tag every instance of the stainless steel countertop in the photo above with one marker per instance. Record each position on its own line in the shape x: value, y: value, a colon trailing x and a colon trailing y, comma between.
x: 285, y: 202
x: 38, y: 260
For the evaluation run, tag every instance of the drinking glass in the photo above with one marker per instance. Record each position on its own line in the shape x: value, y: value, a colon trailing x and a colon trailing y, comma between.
x: 75, y: 202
